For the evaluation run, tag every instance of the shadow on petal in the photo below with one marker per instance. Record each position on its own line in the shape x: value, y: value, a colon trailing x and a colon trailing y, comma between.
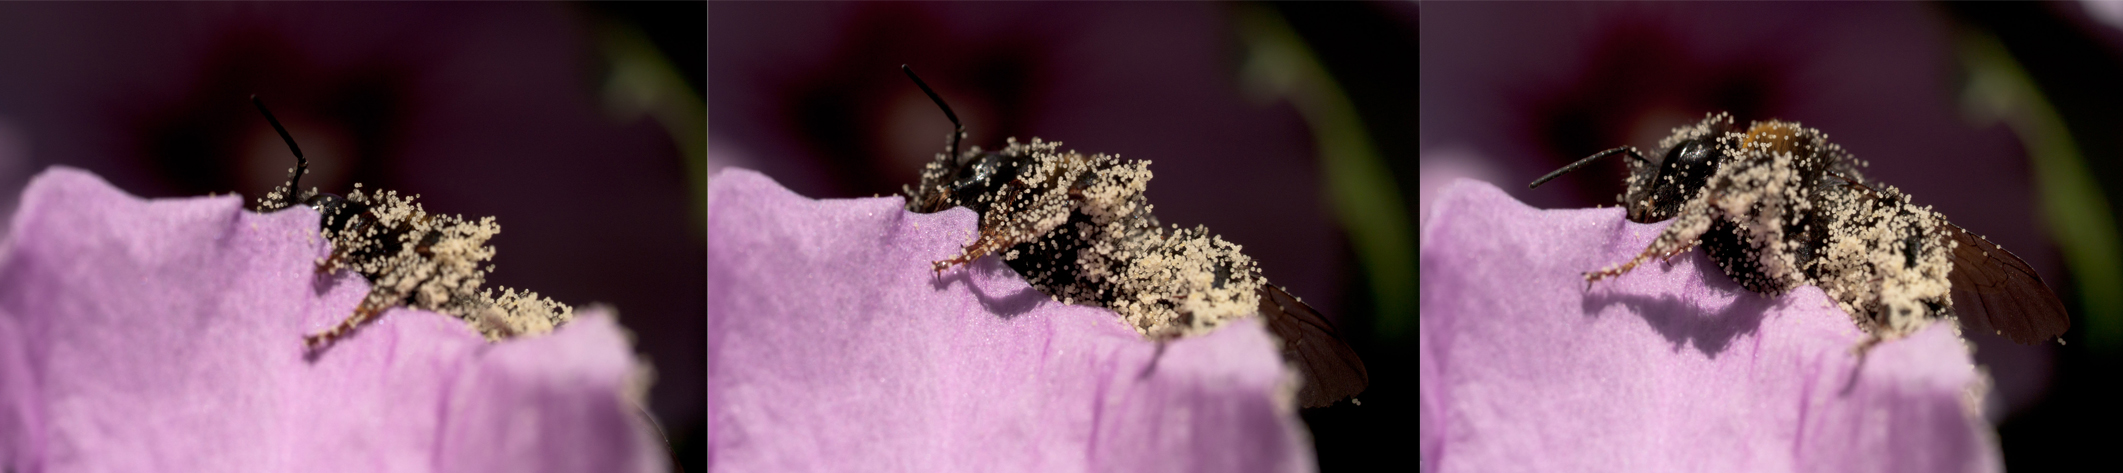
x: 1687, y: 320
x: 1008, y: 306
x: 1677, y: 318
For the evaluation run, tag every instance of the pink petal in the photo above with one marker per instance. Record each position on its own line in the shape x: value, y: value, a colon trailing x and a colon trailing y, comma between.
x: 1671, y: 367
x: 834, y: 347
x: 166, y: 335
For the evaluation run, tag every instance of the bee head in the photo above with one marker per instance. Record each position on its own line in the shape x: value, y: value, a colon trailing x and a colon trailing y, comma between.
x: 336, y: 213
x: 1684, y: 170
x: 1657, y: 189
x: 984, y: 175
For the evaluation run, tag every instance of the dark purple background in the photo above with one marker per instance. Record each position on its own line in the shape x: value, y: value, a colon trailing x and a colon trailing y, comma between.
x: 481, y: 109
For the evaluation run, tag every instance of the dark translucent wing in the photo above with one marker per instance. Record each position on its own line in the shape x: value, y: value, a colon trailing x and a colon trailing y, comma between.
x: 1332, y: 370
x: 1994, y: 291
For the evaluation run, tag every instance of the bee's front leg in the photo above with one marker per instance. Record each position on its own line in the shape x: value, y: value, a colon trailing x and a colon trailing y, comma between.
x: 989, y: 242
x: 368, y: 310
x: 1685, y: 233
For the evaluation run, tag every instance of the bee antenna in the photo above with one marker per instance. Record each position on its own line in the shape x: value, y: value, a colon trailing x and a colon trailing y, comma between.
x: 302, y: 165
x: 955, y: 135
x: 1630, y: 150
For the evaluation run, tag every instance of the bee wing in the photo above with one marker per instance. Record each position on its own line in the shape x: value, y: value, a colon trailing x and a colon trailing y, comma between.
x: 1994, y: 291
x: 1332, y: 370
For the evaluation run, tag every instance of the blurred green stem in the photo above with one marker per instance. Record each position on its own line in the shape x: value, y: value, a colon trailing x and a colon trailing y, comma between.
x: 1359, y: 186
x: 641, y: 82
x: 2072, y: 202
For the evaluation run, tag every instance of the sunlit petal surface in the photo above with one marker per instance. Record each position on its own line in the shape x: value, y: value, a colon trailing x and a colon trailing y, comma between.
x: 1671, y: 367
x: 166, y: 335
x: 834, y: 347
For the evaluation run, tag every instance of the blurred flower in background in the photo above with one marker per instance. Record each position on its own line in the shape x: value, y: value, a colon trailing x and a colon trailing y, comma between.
x: 481, y: 109
x: 811, y: 95
x: 2004, y: 117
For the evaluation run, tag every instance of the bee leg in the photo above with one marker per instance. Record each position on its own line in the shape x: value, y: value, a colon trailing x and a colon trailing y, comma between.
x: 991, y: 239
x: 1866, y: 346
x: 988, y: 243
x: 362, y: 315
x: 1685, y: 233
x: 1647, y: 255
x: 1860, y: 351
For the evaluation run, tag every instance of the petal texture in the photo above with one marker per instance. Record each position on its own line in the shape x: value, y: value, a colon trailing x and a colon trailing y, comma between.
x: 166, y: 335
x: 1671, y: 367
x: 834, y: 347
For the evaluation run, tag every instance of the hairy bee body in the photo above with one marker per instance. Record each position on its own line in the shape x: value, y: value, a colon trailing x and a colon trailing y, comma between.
x: 410, y: 258
x: 1777, y: 206
x: 1079, y: 228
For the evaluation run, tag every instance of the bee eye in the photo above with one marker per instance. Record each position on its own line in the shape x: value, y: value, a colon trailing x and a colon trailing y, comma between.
x: 1694, y: 151
x: 323, y: 201
x: 335, y: 211
x: 984, y: 176
x: 973, y: 180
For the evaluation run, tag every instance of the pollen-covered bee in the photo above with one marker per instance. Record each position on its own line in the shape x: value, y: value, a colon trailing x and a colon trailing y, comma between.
x: 1079, y: 228
x: 410, y: 257
x: 1777, y: 206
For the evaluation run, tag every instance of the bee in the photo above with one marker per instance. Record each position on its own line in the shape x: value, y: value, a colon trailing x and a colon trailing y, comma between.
x: 1777, y: 206
x: 410, y: 258
x: 1079, y: 228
